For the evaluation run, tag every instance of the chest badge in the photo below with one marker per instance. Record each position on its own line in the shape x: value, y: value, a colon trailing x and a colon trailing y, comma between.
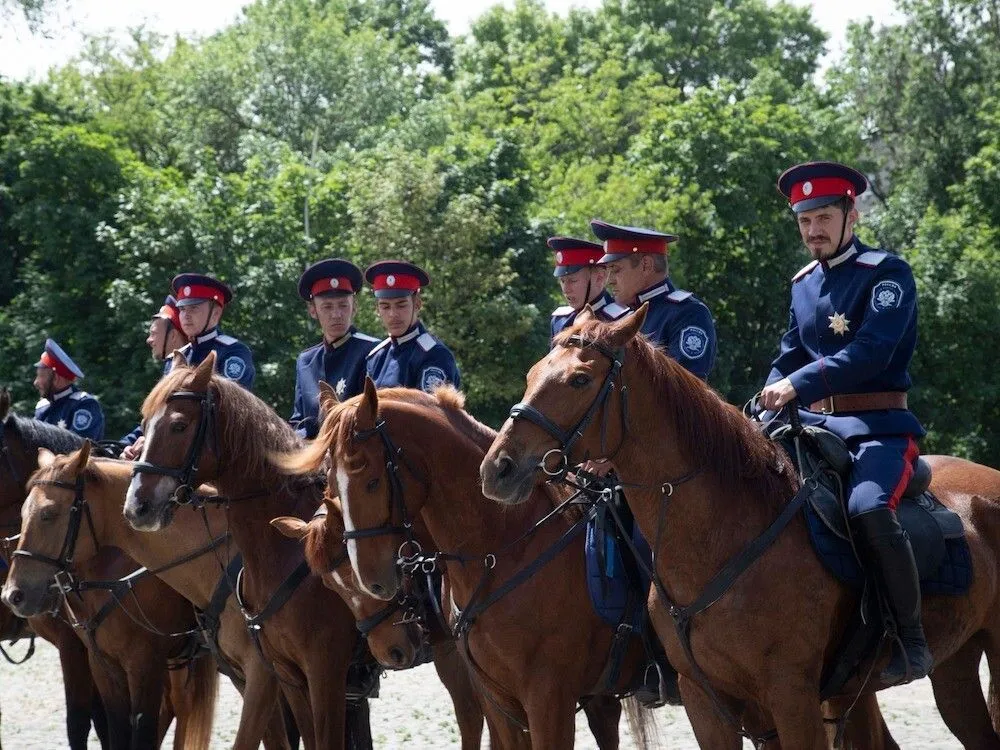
x: 341, y: 388
x: 61, y: 424
x: 839, y: 323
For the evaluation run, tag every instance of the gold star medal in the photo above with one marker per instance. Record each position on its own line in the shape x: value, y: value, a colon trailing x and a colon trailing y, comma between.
x: 839, y: 323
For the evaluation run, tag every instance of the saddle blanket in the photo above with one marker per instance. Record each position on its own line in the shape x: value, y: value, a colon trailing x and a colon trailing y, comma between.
x: 608, y: 579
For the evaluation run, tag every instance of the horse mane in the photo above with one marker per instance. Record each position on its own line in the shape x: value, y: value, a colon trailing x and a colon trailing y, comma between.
x: 38, y: 434
x: 713, y: 434
x: 250, y: 433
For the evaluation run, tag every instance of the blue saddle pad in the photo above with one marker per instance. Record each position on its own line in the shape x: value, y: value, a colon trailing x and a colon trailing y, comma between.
x: 607, y: 580
x: 945, y: 563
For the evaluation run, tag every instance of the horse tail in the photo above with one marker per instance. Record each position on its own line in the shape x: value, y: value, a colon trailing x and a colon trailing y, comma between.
x: 641, y: 724
x: 202, y: 690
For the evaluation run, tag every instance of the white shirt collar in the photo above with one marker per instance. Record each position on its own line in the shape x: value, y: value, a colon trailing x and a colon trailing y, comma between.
x: 844, y: 255
x: 408, y: 336
x: 62, y: 394
x: 599, y: 303
x: 214, y: 333
x: 656, y: 291
x: 342, y: 340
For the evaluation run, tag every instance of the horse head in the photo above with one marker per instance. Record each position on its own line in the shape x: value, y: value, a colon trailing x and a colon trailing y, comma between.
x: 572, y: 409
x: 52, y: 536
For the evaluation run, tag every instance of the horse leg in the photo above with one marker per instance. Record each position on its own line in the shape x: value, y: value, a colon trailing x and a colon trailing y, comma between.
x: 169, y: 710
x: 551, y: 718
x: 327, y: 701
x: 260, y: 717
x: 603, y: 715
x: 82, y: 700
x: 865, y: 729
x: 455, y: 677
x: 112, y: 684
x: 146, y: 673
x: 710, y: 729
x: 298, y: 701
x: 959, y: 697
x: 795, y: 708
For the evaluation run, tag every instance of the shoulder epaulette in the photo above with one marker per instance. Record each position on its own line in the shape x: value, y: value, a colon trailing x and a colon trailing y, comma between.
x: 560, y: 311
x: 42, y: 403
x: 426, y: 341
x: 615, y: 311
x: 78, y: 395
x: 678, y: 296
x: 364, y: 337
x: 381, y: 345
x: 871, y: 258
x: 805, y: 270
x: 227, y: 340
x: 185, y: 349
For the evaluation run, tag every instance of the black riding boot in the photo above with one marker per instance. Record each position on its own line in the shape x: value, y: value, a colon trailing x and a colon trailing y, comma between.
x: 892, y: 558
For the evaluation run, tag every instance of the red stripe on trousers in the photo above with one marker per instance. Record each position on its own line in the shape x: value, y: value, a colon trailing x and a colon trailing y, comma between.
x: 908, y: 458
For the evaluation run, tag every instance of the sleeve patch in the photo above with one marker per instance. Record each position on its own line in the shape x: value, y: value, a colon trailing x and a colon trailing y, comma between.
x: 694, y: 342
x: 82, y: 419
x: 431, y: 378
x: 234, y: 367
x: 886, y: 295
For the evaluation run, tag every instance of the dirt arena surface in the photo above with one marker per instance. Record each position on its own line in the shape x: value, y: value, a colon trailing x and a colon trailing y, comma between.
x: 414, y: 712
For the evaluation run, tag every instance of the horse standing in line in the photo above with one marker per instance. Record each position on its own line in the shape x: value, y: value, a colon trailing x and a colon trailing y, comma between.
x: 195, y: 580
x: 702, y: 483
x: 205, y: 428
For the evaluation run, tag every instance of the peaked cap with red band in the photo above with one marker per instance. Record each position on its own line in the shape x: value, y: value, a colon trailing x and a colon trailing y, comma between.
x: 573, y: 254
x: 56, y: 359
x: 820, y: 183
x: 331, y: 277
x: 624, y: 242
x: 192, y: 288
x: 168, y: 311
x: 395, y: 278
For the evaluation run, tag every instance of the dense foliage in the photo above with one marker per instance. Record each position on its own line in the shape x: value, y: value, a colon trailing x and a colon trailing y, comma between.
x: 360, y: 128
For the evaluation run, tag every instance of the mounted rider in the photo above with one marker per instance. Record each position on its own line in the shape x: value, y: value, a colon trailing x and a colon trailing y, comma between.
x: 582, y: 281
x: 851, y: 335
x: 410, y: 357
x: 62, y: 402
x: 330, y: 289
x: 676, y: 321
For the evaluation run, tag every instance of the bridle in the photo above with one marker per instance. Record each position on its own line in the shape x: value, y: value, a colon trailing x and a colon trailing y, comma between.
x: 184, y: 493
x: 568, y: 439
x: 397, y: 502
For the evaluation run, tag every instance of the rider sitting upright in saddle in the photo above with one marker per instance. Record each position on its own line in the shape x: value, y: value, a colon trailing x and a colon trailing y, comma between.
x: 851, y: 334
x: 63, y: 403
x: 581, y: 280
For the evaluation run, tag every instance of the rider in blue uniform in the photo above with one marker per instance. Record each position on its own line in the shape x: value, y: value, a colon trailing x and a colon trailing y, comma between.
x: 851, y: 335
x: 582, y: 281
x: 63, y: 403
x: 410, y: 357
x: 330, y: 289
x: 676, y: 321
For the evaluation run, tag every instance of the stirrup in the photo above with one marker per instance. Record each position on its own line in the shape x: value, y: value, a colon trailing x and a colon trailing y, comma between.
x: 645, y: 695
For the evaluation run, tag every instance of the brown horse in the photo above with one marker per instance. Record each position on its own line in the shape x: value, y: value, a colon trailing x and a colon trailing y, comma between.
x: 394, y: 642
x: 205, y: 428
x: 702, y: 483
x: 532, y: 667
x: 130, y: 633
x: 195, y: 580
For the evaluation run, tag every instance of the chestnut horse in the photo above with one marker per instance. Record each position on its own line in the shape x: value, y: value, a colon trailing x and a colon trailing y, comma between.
x: 539, y: 648
x: 702, y: 483
x: 195, y: 580
x: 394, y: 640
x: 131, y: 632
x: 204, y: 428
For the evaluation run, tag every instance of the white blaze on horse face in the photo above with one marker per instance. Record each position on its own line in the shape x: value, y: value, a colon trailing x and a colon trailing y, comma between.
x: 345, y: 503
x: 165, y: 485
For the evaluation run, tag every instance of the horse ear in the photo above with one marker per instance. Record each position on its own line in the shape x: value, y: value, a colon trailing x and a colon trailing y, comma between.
x: 4, y: 403
x: 334, y: 516
x: 327, y: 397
x: 587, y: 313
x: 293, y: 528
x: 81, y: 457
x: 368, y: 409
x: 624, y: 330
x: 45, y: 458
x: 203, y: 374
x: 178, y: 360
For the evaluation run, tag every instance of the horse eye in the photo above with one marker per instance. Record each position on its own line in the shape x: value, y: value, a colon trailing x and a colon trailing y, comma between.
x: 373, y: 485
x: 178, y: 426
x: 47, y: 514
x: 579, y: 381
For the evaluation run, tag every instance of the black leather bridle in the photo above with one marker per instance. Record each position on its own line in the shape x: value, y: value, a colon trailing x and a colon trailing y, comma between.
x: 185, y: 475
x: 568, y: 439
x: 78, y: 510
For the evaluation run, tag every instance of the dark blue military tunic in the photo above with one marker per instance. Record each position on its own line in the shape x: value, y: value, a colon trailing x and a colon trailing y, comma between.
x: 680, y: 324
x: 604, y: 306
x: 75, y: 410
x: 341, y: 364
x: 853, y: 329
x: 416, y: 359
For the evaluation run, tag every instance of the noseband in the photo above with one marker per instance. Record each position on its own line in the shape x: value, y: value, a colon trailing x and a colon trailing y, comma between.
x: 186, y: 473
x: 567, y: 439
x: 77, y: 511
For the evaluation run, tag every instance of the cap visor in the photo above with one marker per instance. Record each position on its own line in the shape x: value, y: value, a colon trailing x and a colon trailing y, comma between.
x: 566, y: 270
x: 810, y: 203
x: 393, y: 293
x: 190, y: 301
x: 614, y: 257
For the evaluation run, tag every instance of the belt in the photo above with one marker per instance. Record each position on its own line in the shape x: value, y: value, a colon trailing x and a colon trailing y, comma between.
x: 847, y: 402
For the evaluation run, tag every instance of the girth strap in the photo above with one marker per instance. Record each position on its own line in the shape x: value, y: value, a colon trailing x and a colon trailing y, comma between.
x: 209, y: 618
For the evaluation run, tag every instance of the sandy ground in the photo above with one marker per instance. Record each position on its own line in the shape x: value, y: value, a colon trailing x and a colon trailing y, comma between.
x: 414, y: 712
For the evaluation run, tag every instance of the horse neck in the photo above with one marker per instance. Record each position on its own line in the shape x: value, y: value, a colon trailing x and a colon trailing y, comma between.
x: 195, y: 580
x: 707, y: 520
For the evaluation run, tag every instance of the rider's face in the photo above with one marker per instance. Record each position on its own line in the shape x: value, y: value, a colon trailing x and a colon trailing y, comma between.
x: 574, y: 286
x: 820, y: 229
x: 398, y: 314
x: 334, y: 314
x: 157, y: 338
x: 627, y: 279
x: 196, y: 319
x: 44, y: 378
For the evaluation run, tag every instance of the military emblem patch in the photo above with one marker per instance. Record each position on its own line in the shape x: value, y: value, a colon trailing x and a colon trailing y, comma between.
x: 82, y: 419
x: 431, y: 378
x: 233, y: 368
x: 839, y: 323
x: 694, y: 342
x: 61, y: 424
x: 886, y: 295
